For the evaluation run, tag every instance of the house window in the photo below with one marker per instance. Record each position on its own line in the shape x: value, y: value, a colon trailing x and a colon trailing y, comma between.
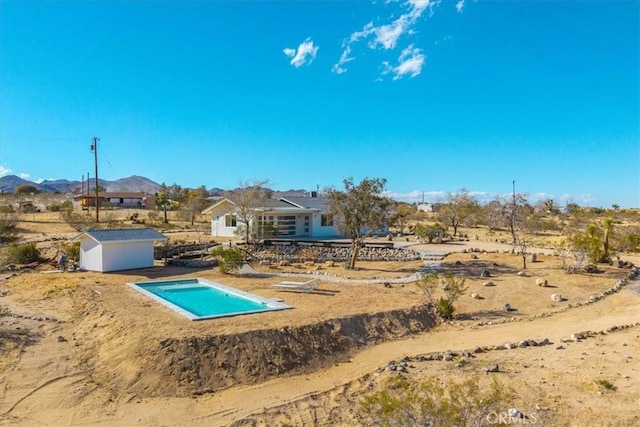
x: 326, y: 220
x: 229, y: 220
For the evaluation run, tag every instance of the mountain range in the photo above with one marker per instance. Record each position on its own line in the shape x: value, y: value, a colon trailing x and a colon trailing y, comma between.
x: 134, y: 183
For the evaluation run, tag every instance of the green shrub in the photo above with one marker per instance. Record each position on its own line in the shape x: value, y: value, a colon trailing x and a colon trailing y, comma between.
x: 229, y: 259
x: 72, y: 250
x: 23, y: 254
x: 445, y: 308
x: 58, y: 207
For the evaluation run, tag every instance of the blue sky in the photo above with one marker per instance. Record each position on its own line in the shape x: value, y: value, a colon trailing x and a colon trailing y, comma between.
x: 432, y: 96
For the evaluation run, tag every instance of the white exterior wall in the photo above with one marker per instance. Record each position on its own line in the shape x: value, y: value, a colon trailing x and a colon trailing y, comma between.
x: 90, y: 255
x: 115, y: 256
x: 218, y: 227
x: 317, y: 230
x: 126, y: 255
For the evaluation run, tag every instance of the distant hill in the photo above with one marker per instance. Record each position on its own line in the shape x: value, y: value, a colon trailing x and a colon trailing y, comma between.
x: 133, y: 183
x: 9, y: 183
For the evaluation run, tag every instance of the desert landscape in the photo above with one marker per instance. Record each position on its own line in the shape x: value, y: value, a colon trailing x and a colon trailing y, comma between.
x: 82, y: 348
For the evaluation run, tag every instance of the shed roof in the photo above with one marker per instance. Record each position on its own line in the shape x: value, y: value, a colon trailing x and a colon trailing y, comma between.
x: 124, y: 234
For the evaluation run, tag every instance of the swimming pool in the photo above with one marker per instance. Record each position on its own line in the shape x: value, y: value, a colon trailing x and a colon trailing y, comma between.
x: 200, y: 299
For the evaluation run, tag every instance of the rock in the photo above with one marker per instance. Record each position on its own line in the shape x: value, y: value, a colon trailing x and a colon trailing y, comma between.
x: 506, y: 307
x: 474, y: 256
x: 475, y: 296
x: 514, y: 413
x: 533, y: 258
x: 493, y: 368
x: 542, y: 282
x: 61, y: 338
x: 485, y: 273
x: 458, y: 262
x: 488, y: 283
x: 522, y: 273
x: 557, y: 297
x: 591, y: 269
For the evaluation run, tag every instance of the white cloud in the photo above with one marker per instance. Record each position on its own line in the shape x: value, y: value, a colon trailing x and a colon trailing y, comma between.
x: 24, y: 176
x: 305, y: 54
x: 386, y: 35
x: 410, y: 63
x: 460, y: 6
x: 344, y: 58
x: 4, y: 171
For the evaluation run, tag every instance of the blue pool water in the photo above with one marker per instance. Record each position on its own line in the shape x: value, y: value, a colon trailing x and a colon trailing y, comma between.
x: 199, y: 299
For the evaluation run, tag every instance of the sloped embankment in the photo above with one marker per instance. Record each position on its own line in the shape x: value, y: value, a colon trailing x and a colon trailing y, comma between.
x: 129, y: 363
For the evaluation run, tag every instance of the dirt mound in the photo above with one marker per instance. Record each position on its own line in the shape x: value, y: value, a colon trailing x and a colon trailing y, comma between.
x: 150, y: 365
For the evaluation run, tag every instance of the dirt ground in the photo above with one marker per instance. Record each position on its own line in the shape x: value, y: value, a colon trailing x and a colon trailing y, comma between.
x: 82, y: 348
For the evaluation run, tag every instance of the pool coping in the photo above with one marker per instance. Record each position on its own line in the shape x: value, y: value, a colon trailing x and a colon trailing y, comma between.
x: 272, y: 304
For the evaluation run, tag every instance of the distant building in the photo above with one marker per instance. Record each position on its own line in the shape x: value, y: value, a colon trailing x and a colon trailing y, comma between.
x: 117, y: 199
x: 428, y: 207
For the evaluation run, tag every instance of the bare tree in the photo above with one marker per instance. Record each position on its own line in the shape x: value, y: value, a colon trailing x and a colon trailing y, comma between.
x: 359, y: 211
x: 249, y: 200
x: 459, y: 207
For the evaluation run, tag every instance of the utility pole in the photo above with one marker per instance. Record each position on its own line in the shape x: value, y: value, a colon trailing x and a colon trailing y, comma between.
x: 94, y: 148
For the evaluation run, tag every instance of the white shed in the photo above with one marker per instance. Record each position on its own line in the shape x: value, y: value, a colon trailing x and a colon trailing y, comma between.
x: 117, y: 249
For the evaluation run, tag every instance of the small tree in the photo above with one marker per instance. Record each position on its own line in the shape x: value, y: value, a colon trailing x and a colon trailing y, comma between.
x: 249, y: 200
x: 359, y: 211
x: 229, y: 259
x: 458, y: 208
x: 402, y: 402
x: 25, y: 189
x: 452, y: 288
x: 429, y: 232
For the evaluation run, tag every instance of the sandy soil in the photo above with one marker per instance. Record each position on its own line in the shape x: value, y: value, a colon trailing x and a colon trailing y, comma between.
x: 73, y: 325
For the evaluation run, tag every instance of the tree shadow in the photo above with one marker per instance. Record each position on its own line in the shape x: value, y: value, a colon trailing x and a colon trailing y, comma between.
x: 474, y: 269
x: 488, y: 314
x: 17, y: 338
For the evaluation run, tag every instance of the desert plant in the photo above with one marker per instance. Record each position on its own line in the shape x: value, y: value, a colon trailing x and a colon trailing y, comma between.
x: 429, y: 232
x: 23, y: 254
x: 4, y: 312
x: 229, y: 259
x: 72, y: 250
x: 605, y: 384
x: 402, y: 402
x: 451, y: 287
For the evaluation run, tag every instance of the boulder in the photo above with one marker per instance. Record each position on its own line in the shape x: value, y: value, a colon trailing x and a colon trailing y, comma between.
x: 542, y: 282
x: 557, y: 297
x: 488, y: 283
x: 485, y: 273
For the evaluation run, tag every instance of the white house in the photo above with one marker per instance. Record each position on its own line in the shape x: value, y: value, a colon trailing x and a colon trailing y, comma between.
x: 284, y: 217
x: 117, y: 249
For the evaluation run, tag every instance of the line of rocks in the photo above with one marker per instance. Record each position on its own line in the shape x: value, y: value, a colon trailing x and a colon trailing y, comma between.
x: 320, y: 254
x: 619, y: 285
x: 403, y: 365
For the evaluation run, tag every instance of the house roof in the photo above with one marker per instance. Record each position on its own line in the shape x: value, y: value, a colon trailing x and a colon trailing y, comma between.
x: 123, y: 234
x: 269, y: 204
x: 319, y: 203
x: 115, y: 195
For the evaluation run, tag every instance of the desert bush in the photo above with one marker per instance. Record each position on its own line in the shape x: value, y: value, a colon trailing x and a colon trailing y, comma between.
x: 77, y: 220
x: 451, y: 287
x: 229, y: 259
x: 402, y: 402
x: 23, y: 254
x: 59, y: 207
x: 7, y: 209
x: 72, y: 250
x: 429, y: 232
x: 4, y: 312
